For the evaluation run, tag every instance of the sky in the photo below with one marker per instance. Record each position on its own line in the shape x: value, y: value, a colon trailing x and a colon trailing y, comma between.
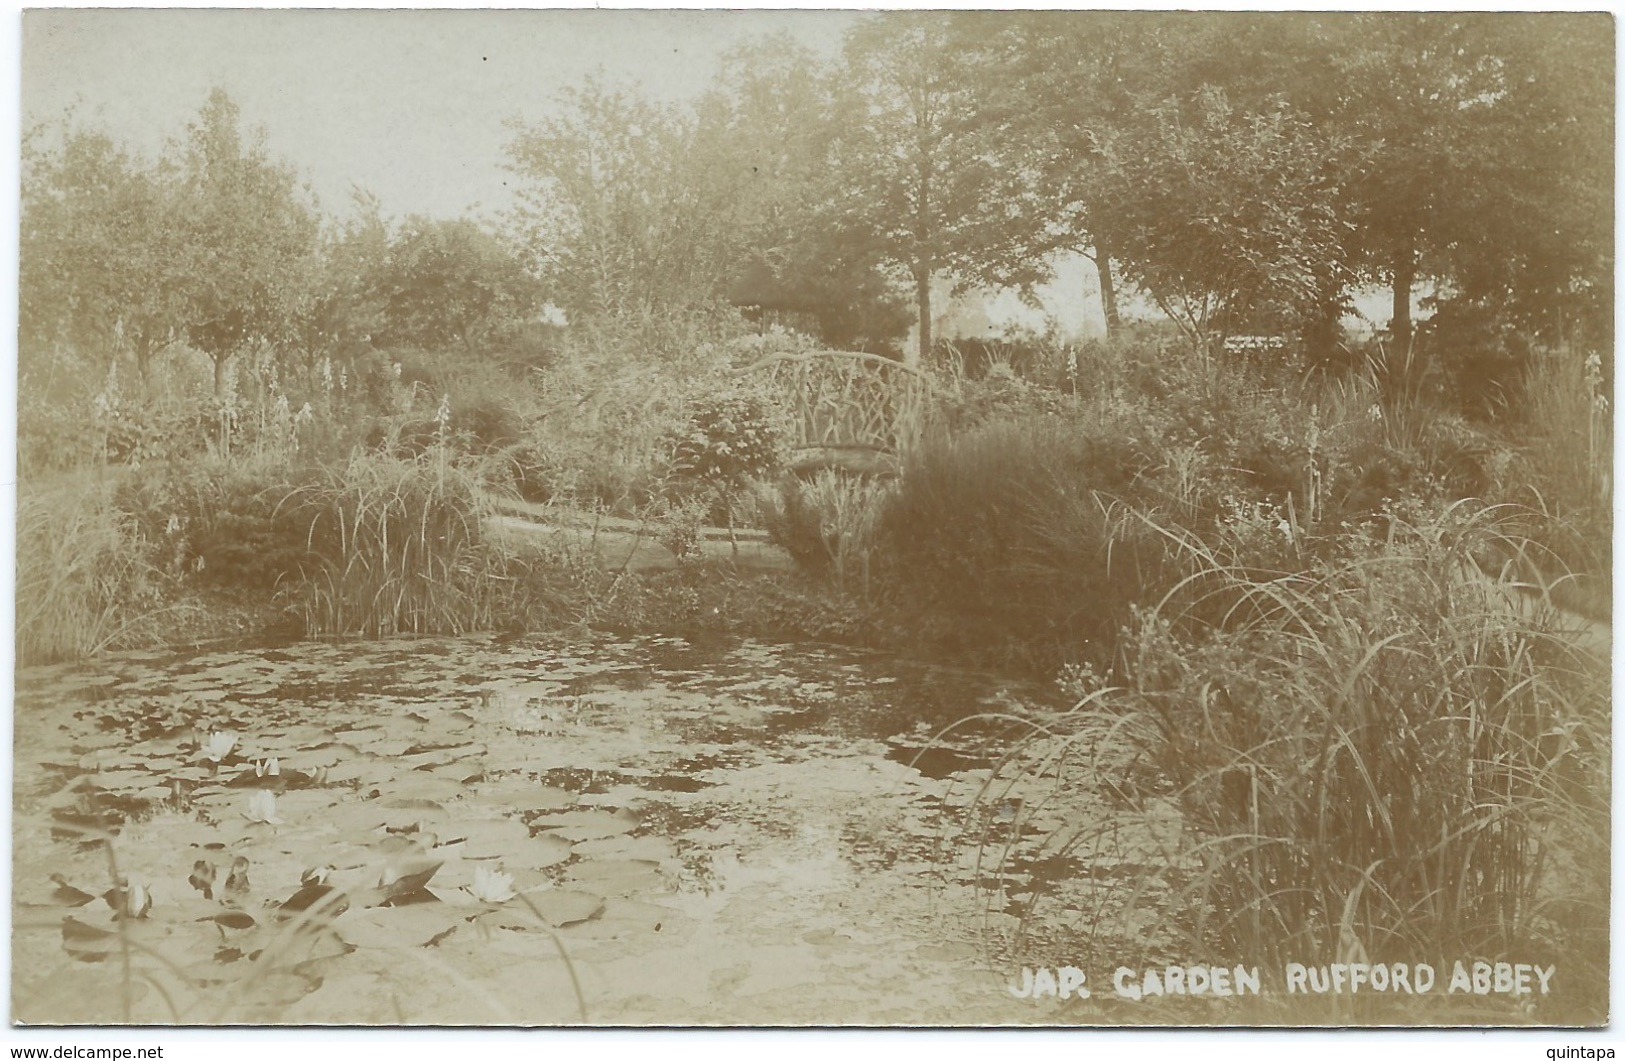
x: 410, y: 105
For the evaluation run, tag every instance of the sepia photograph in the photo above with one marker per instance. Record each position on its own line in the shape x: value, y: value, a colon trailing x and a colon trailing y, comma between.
x: 813, y: 518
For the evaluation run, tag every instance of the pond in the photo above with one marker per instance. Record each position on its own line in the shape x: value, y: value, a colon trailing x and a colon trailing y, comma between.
x: 488, y: 831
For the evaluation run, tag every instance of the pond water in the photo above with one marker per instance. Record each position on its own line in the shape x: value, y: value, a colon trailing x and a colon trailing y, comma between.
x: 480, y: 831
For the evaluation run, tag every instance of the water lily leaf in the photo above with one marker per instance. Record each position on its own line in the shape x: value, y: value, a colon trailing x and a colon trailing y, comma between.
x: 417, y: 784
x: 627, y: 918
x: 617, y: 876
x: 525, y: 796
x: 406, y: 926
x: 400, y: 879
x: 652, y: 848
x: 66, y: 894
x: 463, y: 772
x: 555, y: 906
x: 486, y: 838
x: 234, y: 919
x: 411, y: 803
x: 545, y: 850
x: 367, y: 771
x: 115, y: 780
x: 386, y: 747
x: 326, y: 900
x: 587, y: 824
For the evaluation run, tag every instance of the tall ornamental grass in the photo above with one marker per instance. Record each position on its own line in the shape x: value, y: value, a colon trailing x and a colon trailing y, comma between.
x: 398, y: 548
x: 1388, y: 757
x: 85, y: 579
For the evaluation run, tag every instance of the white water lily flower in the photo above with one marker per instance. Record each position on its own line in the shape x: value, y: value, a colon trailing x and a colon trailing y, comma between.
x: 220, y: 745
x: 491, y: 885
x: 262, y: 808
x: 134, y: 898
x: 267, y: 767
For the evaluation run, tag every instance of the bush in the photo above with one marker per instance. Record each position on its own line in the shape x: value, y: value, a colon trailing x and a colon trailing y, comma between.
x: 1015, y: 535
x: 827, y: 524
x: 223, y: 522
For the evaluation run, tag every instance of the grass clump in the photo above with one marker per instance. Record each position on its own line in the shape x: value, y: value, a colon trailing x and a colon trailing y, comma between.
x: 1388, y: 756
x: 397, y: 547
x: 86, y: 579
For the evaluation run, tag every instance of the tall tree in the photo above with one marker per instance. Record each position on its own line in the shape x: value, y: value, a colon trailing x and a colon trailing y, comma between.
x: 770, y: 126
x: 1226, y: 218
x: 614, y: 208
x: 247, y: 238
x: 1051, y: 89
x: 447, y: 282
x: 97, y: 249
x: 919, y: 182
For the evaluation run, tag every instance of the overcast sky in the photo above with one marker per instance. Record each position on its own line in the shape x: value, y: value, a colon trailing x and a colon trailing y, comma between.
x: 408, y: 104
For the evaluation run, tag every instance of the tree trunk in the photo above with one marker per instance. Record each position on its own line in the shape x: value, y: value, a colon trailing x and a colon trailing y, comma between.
x: 1108, y: 290
x: 922, y: 299
x: 220, y: 375
x: 1322, y: 332
x: 1404, y: 279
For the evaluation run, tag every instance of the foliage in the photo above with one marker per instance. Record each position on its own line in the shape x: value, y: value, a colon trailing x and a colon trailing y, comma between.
x: 773, y: 124
x: 729, y: 438
x: 918, y: 185
x: 221, y: 522
x: 1389, y: 704
x: 448, y: 282
x: 96, y: 242
x: 827, y: 524
x: 86, y: 577
x: 1223, y: 216
x: 398, y: 548
x: 247, y: 235
x: 617, y: 210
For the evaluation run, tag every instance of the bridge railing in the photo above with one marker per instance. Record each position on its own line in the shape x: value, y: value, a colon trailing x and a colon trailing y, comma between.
x: 844, y: 402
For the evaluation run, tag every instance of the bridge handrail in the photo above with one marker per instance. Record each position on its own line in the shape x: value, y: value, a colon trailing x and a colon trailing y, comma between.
x: 818, y: 355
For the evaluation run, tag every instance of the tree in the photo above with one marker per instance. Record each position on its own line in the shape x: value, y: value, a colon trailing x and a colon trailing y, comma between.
x: 615, y: 211
x: 444, y: 282
x: 771, y: 125
x: 1226, y: 215
x: 1051, y: 89
x: 247, y: 238
x: 347, y: 306
x: 96, y: 249
x: 919, y: 183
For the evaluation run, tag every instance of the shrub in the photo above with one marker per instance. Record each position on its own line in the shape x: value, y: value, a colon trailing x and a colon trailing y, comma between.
x: 827, y: 524
x: 1015, y: 534
x: 222, y: 522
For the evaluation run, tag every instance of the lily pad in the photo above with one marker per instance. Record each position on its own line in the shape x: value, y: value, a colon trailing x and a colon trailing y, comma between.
x: 654, y: 848
x: 545, y: 850
x: 588, y: 824
x: 618, y: 876
x: 405, y: 926
x: 556, y: 906
x: 487, y: 838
